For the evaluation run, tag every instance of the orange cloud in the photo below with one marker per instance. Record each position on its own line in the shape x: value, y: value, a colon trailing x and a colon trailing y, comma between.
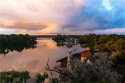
x: 8, y: 23
x: 37, y: 16
x: 79, y: 2
x: 50, y: 28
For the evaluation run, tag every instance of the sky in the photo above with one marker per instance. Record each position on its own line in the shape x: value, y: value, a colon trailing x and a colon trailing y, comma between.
x: 62, y: 16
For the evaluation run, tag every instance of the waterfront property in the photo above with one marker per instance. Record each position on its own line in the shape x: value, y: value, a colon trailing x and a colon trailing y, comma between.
x: 80, y: 55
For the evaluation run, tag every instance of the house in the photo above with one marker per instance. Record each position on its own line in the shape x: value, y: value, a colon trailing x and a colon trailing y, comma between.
x: 80, y: 55
x: 63, y: 61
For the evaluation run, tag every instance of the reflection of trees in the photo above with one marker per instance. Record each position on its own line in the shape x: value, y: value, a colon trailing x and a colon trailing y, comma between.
x: 4, y: 50
x: 66, y: 40
x: 67, y: 44
x: 59, y: 44
x: 16, y: 42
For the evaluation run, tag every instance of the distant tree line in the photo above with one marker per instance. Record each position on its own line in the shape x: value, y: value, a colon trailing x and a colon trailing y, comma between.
x: 16, y: 42
x: 103, y: 42
x: 111, y: 42
x: 60, y: 37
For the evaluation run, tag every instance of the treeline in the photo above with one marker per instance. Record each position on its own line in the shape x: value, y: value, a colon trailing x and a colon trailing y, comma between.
x: 111, y: 42
x: 16, y: 42
x: 59, y: 37
x: 104, y: 43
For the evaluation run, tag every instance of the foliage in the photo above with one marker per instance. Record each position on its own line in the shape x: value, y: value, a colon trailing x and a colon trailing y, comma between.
x: 106, y: 43
x: 12, y: 42
x: 54, y: 80
x: 96, y: 71
x: 117, y: 57
x: 67, y: 40
x: 103, y: 42
x: 41, y: 78
x: 59, y: 38
x: 120, y: 45
x: 14, y: 77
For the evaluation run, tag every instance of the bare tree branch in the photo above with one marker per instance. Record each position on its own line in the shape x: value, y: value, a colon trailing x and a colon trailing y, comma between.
x: 68, y: 74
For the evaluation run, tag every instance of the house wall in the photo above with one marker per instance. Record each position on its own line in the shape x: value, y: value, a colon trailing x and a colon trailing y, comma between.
x: 64, y: 63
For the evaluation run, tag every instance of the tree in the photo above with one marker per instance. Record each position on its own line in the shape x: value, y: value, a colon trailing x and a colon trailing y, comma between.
x: 120, y: 45
x: 117, y: 57
x: 96, y: 71
x: 25, y: 76
x: 11, y: 42
x: 41, y: 78
x: 110, y: 45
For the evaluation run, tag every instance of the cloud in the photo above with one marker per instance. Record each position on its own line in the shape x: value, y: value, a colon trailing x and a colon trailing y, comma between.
x: 107, y: 4
x: 39, y: 14
x: 61, y: 16
x: 111, y: 31
x: 96, y: 16
x: 6, y: 31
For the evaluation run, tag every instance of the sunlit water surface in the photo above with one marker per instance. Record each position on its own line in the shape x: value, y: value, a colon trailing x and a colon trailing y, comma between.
x: 33, y: 60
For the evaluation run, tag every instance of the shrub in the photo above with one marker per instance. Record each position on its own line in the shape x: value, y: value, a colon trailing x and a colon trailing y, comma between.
x: 97, y: 71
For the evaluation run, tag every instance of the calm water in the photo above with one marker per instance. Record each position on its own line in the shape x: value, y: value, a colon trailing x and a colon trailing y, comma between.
x: 33, y: 60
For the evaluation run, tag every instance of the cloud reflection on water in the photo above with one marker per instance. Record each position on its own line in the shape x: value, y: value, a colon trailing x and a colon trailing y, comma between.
x: 33, y: 60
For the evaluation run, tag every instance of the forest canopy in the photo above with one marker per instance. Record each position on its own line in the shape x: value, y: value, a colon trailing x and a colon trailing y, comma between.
x: 16, y: 42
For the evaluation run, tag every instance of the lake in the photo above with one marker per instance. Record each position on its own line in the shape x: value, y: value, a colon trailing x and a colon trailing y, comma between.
x: 33, y: 60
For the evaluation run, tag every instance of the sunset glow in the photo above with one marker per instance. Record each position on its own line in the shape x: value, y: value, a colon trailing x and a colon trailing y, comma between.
x: 61, y: 16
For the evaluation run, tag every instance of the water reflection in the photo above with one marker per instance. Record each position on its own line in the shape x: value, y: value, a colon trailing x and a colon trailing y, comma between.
x: 19, y: 48
x: 67, y: 44
x: 33, y: 60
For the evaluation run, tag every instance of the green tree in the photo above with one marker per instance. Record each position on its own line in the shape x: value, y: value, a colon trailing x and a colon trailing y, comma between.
x: 25, y: 76
x: 41, y: 78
